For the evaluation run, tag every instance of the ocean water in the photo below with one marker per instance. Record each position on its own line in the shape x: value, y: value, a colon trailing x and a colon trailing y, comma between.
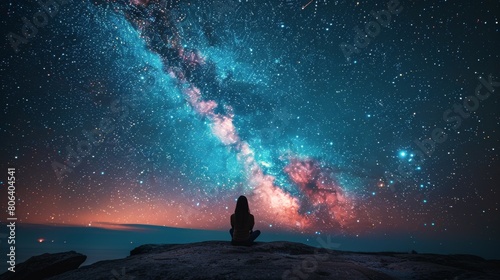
x: 106, y: 244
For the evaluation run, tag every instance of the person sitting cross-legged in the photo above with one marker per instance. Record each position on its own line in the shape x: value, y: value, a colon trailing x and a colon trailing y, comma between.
x: 242, y: 223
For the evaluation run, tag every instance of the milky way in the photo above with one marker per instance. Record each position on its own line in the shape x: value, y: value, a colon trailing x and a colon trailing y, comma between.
x: 164, y: 112
x: 270, y: 199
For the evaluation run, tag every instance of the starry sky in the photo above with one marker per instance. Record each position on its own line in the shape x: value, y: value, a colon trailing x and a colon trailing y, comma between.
x: 332, y: 117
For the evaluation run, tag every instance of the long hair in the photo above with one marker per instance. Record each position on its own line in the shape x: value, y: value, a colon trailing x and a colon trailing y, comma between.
x: 242, y: 211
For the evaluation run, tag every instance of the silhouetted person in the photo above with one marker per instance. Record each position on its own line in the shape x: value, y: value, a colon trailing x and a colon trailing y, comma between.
x: 242, y: 223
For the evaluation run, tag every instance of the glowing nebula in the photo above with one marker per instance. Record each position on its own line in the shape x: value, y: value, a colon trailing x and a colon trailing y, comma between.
x: 321, y: 203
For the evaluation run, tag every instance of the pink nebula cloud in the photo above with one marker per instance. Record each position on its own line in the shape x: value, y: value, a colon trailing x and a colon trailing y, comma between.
x: 320, y: 190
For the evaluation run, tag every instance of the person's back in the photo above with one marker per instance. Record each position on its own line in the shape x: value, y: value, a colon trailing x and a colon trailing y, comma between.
x: 242, y: 223
x: 242, y: 231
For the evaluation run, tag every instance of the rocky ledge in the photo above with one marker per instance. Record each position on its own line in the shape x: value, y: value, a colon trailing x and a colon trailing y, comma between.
x: 45, y: 266
x: 273, y: 260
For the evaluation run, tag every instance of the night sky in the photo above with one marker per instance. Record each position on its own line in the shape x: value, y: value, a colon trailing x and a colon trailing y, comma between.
x: 164, y: 112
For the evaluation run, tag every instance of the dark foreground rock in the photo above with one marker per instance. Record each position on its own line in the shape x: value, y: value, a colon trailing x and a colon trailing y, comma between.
x: 280, y: 260
x: 45, y: 265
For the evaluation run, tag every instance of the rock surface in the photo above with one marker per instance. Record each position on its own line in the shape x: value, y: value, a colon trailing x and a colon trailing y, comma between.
x: 280, y: 260
x: 45, y: 265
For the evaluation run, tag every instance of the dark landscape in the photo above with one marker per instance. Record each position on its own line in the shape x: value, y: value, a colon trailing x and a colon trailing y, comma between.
x: 264, y: 260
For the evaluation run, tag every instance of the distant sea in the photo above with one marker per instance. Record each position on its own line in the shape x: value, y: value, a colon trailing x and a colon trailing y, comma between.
x: 105, y: 244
